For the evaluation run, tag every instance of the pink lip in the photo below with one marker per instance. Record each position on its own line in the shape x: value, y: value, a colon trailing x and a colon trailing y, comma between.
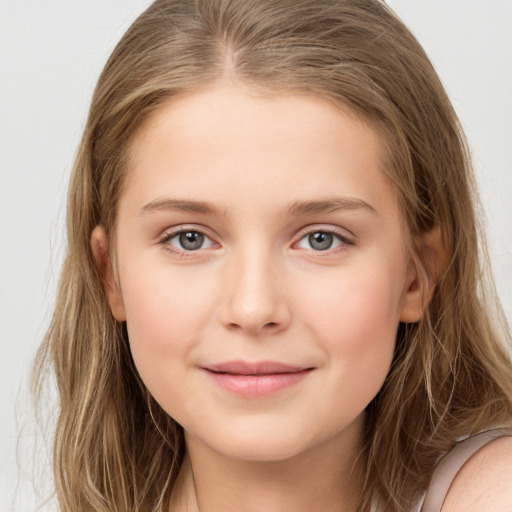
x: 255, y: 379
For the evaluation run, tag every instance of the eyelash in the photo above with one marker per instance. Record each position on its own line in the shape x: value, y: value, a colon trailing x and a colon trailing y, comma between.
x: 344, y: 239
x: 183, y: 253
x: 305, y: 232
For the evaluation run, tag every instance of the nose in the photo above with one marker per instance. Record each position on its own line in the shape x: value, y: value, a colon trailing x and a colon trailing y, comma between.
x: 254, y: 294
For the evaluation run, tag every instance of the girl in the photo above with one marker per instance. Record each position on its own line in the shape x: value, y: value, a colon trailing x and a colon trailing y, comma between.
x: 272, y: 297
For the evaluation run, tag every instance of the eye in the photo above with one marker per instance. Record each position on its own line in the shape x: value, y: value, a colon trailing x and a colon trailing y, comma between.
x: 322, y: 241
x: 188, y: 240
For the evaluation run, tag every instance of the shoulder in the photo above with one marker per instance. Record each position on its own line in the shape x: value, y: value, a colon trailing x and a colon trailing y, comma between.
x: 485, y: 481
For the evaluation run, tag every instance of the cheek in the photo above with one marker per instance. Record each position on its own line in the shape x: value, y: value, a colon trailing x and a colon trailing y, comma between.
x: 361, y: 302
x: 165, y: 313
x: 356, y: 324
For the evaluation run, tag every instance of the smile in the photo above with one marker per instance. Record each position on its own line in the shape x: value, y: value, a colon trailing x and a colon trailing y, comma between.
x: 253, y: 380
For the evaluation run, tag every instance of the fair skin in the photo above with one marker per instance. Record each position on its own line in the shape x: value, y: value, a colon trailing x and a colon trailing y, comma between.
x: 253, y: 232
x: 484, y: 481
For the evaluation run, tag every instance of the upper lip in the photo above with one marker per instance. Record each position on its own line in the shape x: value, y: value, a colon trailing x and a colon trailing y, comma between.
x: 254, y: 368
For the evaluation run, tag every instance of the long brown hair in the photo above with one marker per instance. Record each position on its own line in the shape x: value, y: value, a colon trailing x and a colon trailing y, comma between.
x: 114, y: 447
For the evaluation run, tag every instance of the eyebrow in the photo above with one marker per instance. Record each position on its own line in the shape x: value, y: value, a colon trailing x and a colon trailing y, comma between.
x: 329, y: 205
x: 181, y: 205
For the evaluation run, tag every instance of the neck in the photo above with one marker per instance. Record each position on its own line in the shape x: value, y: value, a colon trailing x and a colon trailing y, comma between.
x: 324, y: 478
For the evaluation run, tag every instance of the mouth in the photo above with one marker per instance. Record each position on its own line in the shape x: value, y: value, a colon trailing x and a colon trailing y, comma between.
x: 252, y: 380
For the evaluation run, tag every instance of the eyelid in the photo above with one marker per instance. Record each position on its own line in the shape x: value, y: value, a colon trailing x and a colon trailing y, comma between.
x: 342, y: 234
x: 171, y: 232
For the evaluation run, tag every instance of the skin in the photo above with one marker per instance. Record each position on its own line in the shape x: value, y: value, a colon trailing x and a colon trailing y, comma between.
x: 484, y: 481
x: 257, y: 290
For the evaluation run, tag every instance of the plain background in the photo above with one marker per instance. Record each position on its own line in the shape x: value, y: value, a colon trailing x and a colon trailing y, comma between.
x: 51, y: 53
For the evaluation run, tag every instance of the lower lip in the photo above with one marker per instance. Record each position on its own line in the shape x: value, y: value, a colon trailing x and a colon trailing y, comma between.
x: 253, y: 386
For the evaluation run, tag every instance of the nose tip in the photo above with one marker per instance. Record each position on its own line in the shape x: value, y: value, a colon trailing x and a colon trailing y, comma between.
x: 256, y: 312
x: 255, y: 300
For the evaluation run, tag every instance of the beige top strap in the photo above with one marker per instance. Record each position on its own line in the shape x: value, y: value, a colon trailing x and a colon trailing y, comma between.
x: 451, y: 463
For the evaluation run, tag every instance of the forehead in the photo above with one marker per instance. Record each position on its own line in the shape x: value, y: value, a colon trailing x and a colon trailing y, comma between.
x: 220, y: 138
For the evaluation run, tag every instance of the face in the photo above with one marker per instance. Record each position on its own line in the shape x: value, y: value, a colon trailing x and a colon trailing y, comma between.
x: 262, y: 269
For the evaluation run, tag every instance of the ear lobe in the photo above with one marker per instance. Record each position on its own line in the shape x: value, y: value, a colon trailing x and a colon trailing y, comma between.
x: 425, y: 269
x: 99, y: 246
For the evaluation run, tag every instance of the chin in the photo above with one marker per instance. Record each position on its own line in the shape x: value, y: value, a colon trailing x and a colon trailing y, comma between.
x: 262, y: 449
x: 262, y: 441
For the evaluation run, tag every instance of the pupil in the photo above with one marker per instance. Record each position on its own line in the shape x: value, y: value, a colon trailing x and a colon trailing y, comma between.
x: 320, y: 241
x: 191, y: 240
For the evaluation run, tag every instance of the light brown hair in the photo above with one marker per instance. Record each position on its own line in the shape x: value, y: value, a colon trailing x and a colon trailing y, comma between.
x: 114, y: 447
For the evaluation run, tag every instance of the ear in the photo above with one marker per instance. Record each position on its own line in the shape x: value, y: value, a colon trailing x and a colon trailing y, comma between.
x: 99, y: 246
x: 425, y: 269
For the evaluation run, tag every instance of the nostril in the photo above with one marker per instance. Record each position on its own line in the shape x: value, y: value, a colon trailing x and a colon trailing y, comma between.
x: 268, y: 326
